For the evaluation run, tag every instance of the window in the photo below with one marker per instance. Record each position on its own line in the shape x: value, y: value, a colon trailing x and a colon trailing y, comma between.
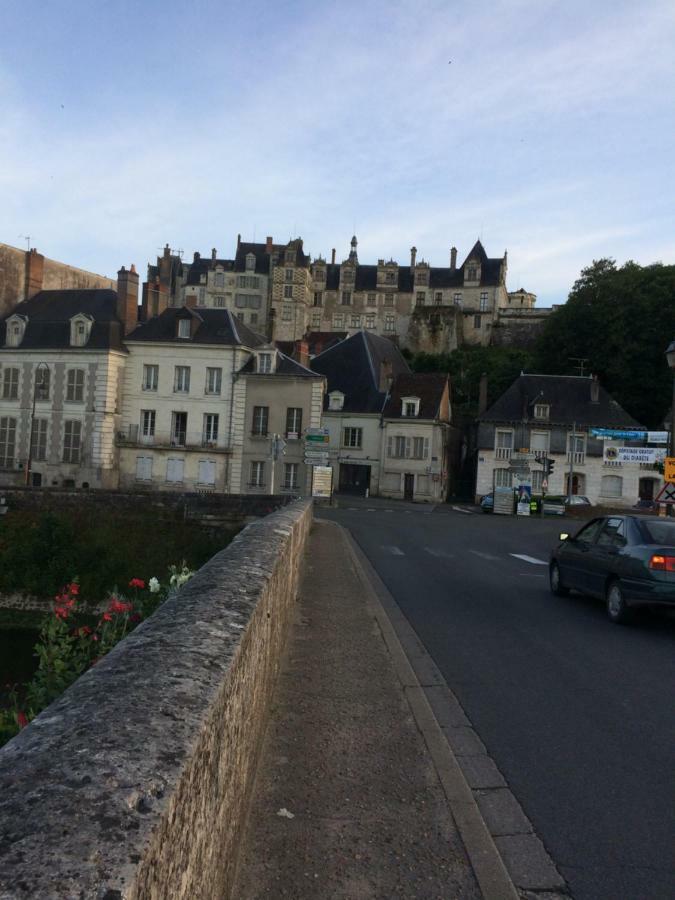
x: 174, y: 470
x: 410, y: 406
x: 471, y: 273
x: 502, y: 477
x: 541, y: 410
x: 352, y: 437
x: 265, y: 363
x: 178, y: 429
x: 390, y: 277
x: 214, y: 379
x: 318, y: 298
x: 210, y: 433
x: 241, y: 301
x: 10, y: 384
x: 260, y: 420
x: 388, y: 299
x: 438, y: 298
x: 7, y: 441
x: 370, y: 320
x: 320, y: 274
x: 183, y: 328
x: 219, y: 279
x: 181, y: 381
x: 38, y: 443
x: 483, y: 301
x: 371, y: 300
x: 316, y: 321
x: 390, y: 323
x: 611, y: 486
x: 539, y: 442
x: 503, y: 444
x: 355, y: 322
x: 457, y: 299
x: 420, y: 298
x: 291, y: 476
x: 150, y: 378
x: 253, y: 318
x: 289, y: 274
x: 336, y: 400
x: 537, y: 477
x: 143, y: 468
x: 348, y: 276
x: 346, y: 298
x: 286, y: 312
x: 207, y: 472
x: 476, y: 321
x: 288, y: 291
x: 420, y: 448
x: 42, y: 383
x: 248, y: 281
x: 293, y: 421
x: 148, y: 418
x: 202, y: 298
x: 15, y: 330
x: 219, y: 301
x: 576, y: 448
x: 421, y: 278
x: 78, y: 333
x: 72, y: 438
x: 250, y: 264
x: 588, y: 534
x: 613, y: 534
x: 338, y: 321
x: 254, y: 301
x: 75, y: 386
x: 401, y: 447
x: 257, y: 474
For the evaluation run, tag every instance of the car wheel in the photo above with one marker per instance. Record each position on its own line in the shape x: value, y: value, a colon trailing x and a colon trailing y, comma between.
x: 557, y: 587
x: 617, y: 609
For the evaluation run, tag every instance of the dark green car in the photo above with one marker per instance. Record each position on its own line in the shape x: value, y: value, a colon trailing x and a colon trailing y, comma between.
x: 627, y: 561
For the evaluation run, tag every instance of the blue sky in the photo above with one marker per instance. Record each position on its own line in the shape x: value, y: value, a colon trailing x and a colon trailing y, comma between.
x: 547, y: 128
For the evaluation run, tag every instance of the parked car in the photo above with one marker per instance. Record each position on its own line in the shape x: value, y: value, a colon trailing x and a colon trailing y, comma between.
x: 646, y: 505
x: 628, y: 561
x: 487, y: 503
x: 577, y: 500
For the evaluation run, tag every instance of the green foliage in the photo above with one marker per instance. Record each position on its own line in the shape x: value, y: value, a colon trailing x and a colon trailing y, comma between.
x: 621, y: 320
x: 502, y: 366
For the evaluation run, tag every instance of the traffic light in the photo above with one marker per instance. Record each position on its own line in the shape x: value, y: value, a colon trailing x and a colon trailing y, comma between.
x: 549, y: 466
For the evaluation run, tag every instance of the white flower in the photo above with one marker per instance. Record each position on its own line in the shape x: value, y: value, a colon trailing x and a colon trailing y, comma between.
x: 153, y: 586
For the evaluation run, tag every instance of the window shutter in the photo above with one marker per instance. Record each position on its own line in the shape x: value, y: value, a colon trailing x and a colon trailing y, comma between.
x: 390, y: 446
x: 408, y: 450
x: 425, y: 449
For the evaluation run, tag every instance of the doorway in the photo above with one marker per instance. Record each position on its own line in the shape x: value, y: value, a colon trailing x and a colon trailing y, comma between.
x: 646, y: 488
x: 354, y: 479
x: 578, y: 484
x: 408, y: 486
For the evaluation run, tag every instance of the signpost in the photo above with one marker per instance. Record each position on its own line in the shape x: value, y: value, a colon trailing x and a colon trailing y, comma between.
x: 322, y: 482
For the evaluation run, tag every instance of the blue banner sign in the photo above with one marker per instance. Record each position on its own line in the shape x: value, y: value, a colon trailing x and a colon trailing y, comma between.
x: 613, y: 434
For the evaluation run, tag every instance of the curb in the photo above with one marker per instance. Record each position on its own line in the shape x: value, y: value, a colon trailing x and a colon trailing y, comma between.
x: 524, y: 857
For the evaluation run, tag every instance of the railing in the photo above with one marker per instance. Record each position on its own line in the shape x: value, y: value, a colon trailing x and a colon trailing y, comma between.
x: 578, y: 457
x: 503, y: 452
x: 185, y: 440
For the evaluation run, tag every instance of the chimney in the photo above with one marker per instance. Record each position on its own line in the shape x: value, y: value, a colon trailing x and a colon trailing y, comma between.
x: 413, y: 257
x: 167, y: 251
x: 214, y: 252
x: 155, y: 299
x: 453, y: 258
x: 595, y: 389
x: 386, y: 376
x: 238, y: 242
x: 482, y: 393
x: 127, y: 298
x: 301, y: 353
x: 332, y: 257
x: 35, y: 267
x: 269, y: 242
x: 196, y: 257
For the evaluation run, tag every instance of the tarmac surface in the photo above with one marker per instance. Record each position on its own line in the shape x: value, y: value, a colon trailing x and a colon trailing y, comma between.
x: 358, y: 794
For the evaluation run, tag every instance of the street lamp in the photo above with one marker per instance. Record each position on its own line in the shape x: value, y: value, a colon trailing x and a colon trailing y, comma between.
x: 41, y: 380
x: 670, y: 356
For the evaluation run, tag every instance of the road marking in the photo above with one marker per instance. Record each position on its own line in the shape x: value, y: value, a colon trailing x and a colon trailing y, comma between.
x: 394, y: 551
x: 440, y: 553
x: 460, y: 509
x: 530, y: 559
x: 483, y: 555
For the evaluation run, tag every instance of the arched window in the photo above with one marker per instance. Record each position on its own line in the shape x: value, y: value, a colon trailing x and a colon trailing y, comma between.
x: 612, y: 486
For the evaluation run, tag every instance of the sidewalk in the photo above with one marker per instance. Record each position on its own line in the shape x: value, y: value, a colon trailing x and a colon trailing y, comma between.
x: 348, y: 801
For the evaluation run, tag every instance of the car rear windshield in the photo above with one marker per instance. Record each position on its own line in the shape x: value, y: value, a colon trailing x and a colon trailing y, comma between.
x: 661, y: 532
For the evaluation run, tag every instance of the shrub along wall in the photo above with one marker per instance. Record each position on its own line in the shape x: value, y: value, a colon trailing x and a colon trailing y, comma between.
x: 135, y: 782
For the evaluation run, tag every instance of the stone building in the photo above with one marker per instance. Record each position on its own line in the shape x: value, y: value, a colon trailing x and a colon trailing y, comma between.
x: 23, y: 273
x: 61, y: 360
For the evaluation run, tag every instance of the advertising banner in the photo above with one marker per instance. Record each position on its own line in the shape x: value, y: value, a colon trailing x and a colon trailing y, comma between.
x: 645, y: 455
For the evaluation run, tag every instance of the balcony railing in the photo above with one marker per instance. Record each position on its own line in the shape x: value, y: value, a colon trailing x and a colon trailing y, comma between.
x: 577, y: 457
x: 165, y: 440
x: 503, y: 452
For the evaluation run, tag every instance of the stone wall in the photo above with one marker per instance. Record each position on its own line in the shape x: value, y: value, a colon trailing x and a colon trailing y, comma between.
x: 134, y: 784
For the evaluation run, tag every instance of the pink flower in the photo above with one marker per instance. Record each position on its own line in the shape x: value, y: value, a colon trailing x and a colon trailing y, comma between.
x: 22, y: 719
x: 137, y: 583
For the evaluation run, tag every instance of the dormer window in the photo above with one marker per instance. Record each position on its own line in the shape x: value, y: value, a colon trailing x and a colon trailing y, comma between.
x: 265, y: 363
x: 541, y: 410
x: 336, y: 400
x: 410, y: 406
x: 80, y: 329
x: 16, y: 327
x: 184, y: 328
x: 250, y: 262
x: 471, y: 273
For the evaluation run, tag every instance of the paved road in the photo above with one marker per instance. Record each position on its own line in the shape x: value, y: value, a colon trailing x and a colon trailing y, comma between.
x: 578, y: 714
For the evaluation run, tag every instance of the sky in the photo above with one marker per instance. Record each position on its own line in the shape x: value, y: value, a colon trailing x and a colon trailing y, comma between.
x: 545, y: 128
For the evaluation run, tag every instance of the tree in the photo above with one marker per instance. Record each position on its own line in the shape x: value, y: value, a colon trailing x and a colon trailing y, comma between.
x: 620, y: 320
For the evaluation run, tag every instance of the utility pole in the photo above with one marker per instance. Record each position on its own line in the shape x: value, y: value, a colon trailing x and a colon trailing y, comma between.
x: 573, y: 443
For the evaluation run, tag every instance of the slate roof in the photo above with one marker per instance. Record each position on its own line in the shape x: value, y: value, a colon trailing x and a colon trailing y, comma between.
x: 353, y: 367
x: 569, y: 398
x: 49, y: 314
x: 203, y: 265
x: 428, y: 386
x: 285, y: 366
x: 216, y: 326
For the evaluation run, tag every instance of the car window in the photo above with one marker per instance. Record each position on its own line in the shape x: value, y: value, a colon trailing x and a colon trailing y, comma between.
x: 589, y: 532
x: 660, y: 532
x: 613, y: 533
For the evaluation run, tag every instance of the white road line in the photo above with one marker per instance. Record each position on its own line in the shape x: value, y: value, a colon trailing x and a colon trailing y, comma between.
x: 483, y: 555
x: 440, y: 553
x: 467, y: 511
x: 394, y: 551
x: 529, y: 559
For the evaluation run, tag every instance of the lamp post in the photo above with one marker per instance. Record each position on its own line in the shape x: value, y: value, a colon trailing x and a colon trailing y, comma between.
x: 41, y: 374
x: 670, y: 356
